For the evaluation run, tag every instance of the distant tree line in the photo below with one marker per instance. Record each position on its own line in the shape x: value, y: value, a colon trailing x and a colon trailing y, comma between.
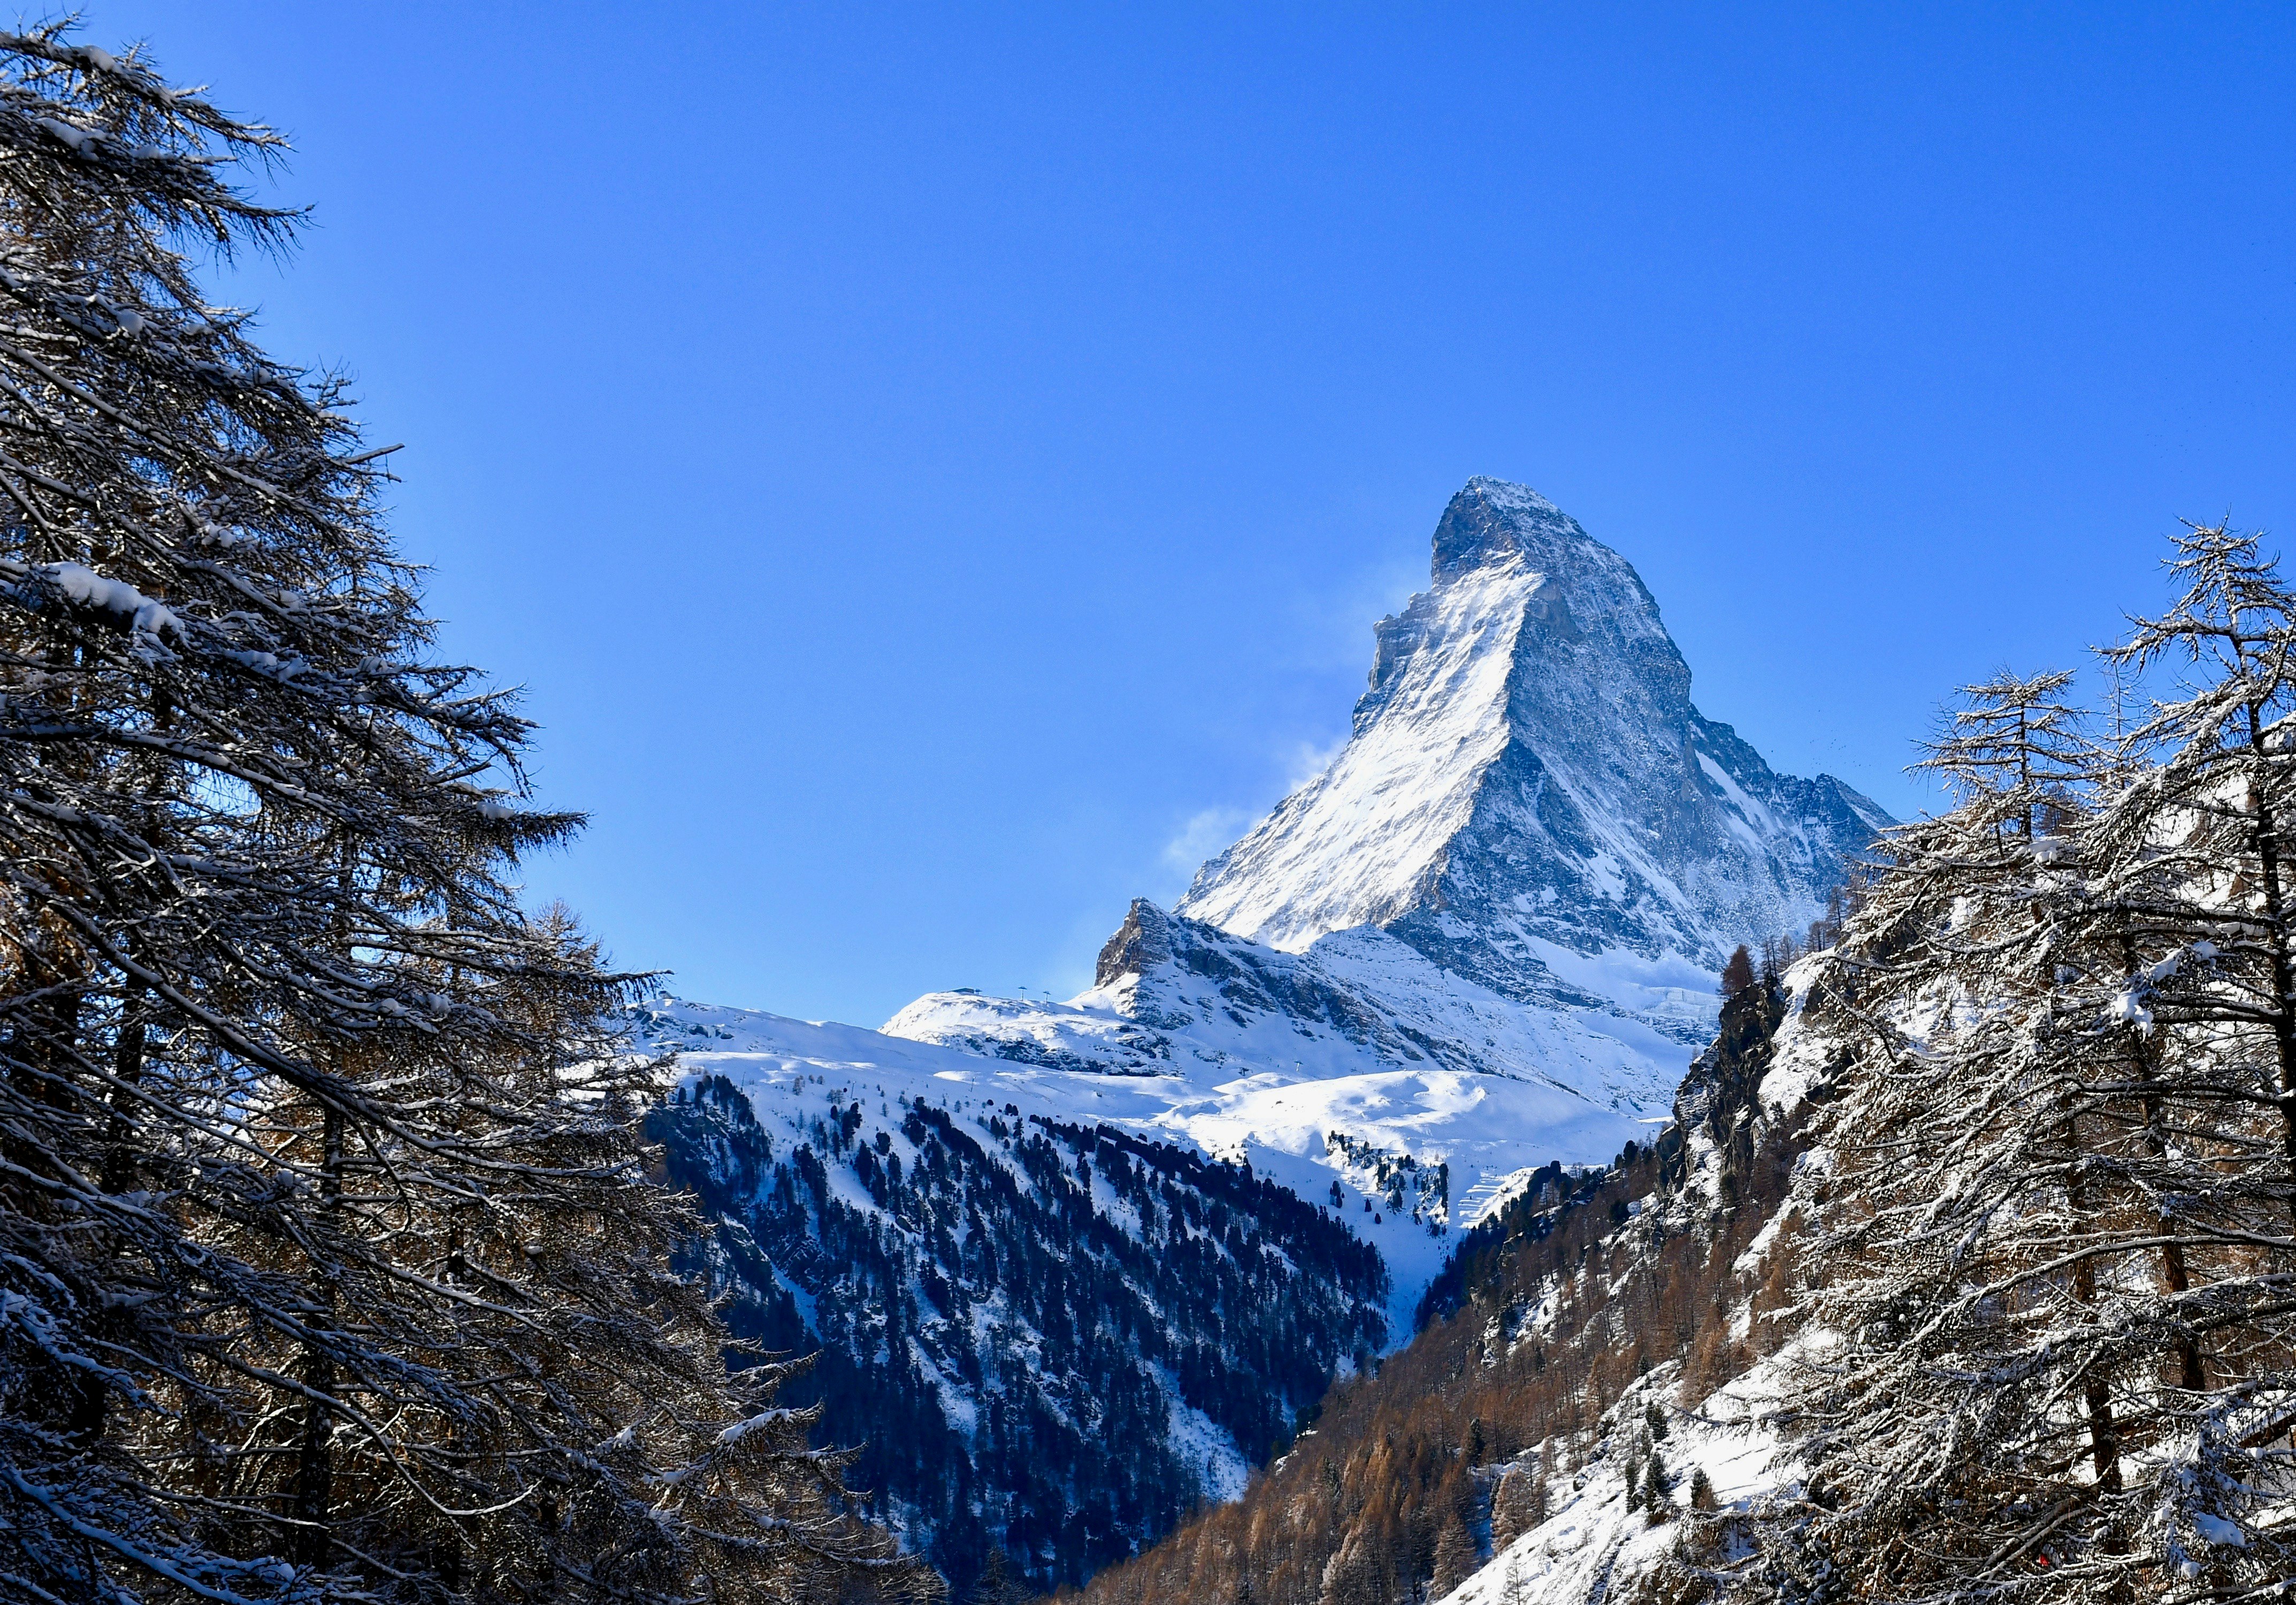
x: 1749, y: 967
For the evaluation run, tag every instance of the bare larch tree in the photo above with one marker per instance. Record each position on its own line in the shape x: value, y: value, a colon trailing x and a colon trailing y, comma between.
x: 329, y: 1266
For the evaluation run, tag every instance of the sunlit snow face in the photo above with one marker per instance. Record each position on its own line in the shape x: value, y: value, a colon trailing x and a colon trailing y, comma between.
x: 1528, y: 768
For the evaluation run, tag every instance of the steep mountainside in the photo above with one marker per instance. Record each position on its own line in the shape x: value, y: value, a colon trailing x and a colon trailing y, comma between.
x: 1583, y: 1418
x: 1047, y: 1332
x: 1530, y: 798
x: 1076, y: 1267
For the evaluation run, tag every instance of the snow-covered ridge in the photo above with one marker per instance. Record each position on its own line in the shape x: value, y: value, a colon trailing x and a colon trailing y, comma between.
x: 1264, y: 1092
x: 1527, y: 779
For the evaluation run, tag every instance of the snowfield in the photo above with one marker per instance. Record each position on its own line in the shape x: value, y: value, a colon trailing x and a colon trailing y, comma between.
x: 1486, y: 1128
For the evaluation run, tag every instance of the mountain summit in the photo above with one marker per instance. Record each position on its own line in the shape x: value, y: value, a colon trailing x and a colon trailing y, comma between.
x: 1529, y: 797
x: 1527, y: 865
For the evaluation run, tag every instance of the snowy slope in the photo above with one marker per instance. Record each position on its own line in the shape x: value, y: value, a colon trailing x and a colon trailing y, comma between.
x: 1529, y: 797
x: 1594, y: 1545
x: 1487, y: 1129
x: 1365, y: 841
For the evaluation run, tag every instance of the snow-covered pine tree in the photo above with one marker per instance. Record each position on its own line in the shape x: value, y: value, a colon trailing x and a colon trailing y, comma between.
x: 2192, y: 908
x: 2060, y: 1272
x: 1972, y: 1375
x: 328, y: 1269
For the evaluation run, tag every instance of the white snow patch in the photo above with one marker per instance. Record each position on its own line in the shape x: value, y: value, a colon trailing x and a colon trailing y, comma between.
x: 1355, y: 844
x: 1209, y: 1453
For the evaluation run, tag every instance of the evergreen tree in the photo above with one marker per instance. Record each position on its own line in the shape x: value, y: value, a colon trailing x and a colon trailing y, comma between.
x: 1517, y: 1504
x: 1454, y: 1556
x: 2060, y: 1254
x: 330, y: 1266
x: 996, y: 1584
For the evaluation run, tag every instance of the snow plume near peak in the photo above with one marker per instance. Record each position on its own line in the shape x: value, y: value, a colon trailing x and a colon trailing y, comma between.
x: 1530, y: 797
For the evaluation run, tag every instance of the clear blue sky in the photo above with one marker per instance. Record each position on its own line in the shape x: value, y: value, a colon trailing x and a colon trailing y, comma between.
x: 921, y: 460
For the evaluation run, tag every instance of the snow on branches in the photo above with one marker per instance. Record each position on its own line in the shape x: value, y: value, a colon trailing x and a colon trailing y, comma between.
x: 2059, y: 1289
x: 321, y: 1277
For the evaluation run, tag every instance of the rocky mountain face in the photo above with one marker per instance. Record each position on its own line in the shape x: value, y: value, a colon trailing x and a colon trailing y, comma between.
x: 1530, y: 798
x: 1077, y: 1266
x: 1529, y: 861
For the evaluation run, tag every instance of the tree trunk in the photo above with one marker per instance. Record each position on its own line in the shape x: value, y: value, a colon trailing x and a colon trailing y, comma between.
x: 2283, y: 969
x: 315, y: 1465
x: 2103, y: 1436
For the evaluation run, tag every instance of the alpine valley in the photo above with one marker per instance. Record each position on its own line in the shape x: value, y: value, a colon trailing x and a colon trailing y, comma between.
x: 1079, y: 1272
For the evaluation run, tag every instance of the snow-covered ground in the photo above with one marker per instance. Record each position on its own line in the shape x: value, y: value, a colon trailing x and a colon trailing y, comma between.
x: 1486, y: 1128
x: 1591, y: 1541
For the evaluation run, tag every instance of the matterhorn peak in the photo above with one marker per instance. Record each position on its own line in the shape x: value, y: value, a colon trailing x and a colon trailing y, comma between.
x: 1529, y: 797
x: 1491, y: 520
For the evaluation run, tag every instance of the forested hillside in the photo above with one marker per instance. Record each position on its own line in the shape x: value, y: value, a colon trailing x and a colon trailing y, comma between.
x: 1586, y: 1288
x: 1020, y: 1317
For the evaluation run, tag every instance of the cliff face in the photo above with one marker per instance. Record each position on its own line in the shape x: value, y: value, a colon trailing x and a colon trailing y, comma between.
x: 1530, y: 799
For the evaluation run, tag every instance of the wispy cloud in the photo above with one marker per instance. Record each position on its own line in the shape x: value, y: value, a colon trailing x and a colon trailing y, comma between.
x: 1205, y: 833
x: 1308, y: 760
x: 1212, y: 830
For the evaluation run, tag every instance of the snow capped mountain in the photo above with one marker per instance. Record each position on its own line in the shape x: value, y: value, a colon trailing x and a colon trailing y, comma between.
x: 1530, y: 798
x: 1529, y: 861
